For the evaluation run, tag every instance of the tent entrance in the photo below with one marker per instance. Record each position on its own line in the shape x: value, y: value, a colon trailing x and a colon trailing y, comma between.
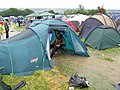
x: 68, y: 47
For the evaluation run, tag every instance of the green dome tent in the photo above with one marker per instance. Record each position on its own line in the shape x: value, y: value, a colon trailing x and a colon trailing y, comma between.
x: 95, y: 21
x: 30, y: 50
x: 103, y: 37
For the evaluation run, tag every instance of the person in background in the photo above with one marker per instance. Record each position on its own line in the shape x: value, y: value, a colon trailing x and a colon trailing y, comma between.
x: 1, y: 29
x: 57, y: 43
x: 6, y: 26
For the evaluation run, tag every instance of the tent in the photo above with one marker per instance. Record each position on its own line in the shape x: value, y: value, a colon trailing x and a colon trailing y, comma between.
x: 118, y: 28
x: 32, y: 23
x: 28, y: 23
x: 115, y: 15
x: 80, y: 18
x: 59, y: 17
x: 73, y: 43
x: 46, y: 14
x: 73, y: 25
x: 89, y: 25
x: 106, y: 20
x: 30, y: 50
x: 117, y: 20
x: 94, y: 21
x: 24, y: 53
x: 103, y: 37
x: 32, y: 15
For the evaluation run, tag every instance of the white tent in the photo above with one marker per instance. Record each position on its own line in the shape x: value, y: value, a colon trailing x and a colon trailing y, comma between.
x: 79, y: 18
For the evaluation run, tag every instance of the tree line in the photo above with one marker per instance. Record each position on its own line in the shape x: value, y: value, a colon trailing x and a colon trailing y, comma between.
x: 81, y: 10
x: 15, y: 12
x: 19, y: 12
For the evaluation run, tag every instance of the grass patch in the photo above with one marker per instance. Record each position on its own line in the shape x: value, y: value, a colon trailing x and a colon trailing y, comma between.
x: 112, y: 51
x: 65, y: 70
x: 108, y: 59
x: 37, y: 81
x: 43, y: 80
x: 15, y: 27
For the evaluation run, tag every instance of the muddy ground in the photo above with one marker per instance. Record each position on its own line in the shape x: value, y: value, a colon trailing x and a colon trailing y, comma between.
x: 101, y: 69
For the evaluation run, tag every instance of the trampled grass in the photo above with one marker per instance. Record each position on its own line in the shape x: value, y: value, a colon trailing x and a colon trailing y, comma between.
x: 41, y: 80
x: 101, y: 70
x: 101, y: 74
x: 15, y: 27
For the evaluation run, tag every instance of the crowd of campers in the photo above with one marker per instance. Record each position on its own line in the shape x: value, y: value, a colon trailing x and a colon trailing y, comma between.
x: 98, y: 31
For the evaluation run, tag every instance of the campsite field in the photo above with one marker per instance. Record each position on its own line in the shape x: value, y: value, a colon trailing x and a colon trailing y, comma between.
x: 101, y: 70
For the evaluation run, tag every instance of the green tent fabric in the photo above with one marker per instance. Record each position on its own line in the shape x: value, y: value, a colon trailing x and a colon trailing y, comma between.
x: 28, y: 51
x: 103, y: 37
x: 46, y: 14
x: 32, y: 15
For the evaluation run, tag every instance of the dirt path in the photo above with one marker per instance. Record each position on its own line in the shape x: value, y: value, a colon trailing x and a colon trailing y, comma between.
x: 102, y: 74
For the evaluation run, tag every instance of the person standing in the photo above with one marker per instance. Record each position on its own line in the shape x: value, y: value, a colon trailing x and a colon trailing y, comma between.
x: 6, y: 26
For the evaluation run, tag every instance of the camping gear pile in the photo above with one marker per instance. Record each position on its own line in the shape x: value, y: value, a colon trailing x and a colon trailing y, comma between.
x: 77, y: 81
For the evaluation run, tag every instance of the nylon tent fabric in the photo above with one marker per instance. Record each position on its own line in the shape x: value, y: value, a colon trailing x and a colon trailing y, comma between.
x: 32, y: 23
x: 23, y: 56
x: 33, y: 15
x: 117, y: 21
x: 103, y: 37
x: 30, y: 50
x: 80, y: 18
x: 118, y: 28
x: 70, y: 35
x: 95, y: 21
x: 46, y: 14
x: 88, y: 25
x: 106, y: 20
x: 75, y: 27
x: 115, y: 15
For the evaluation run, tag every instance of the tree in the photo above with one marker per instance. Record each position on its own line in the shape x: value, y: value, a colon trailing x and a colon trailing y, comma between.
x: 28, y: 11
x: 51, y: 11
x: 92, y: 12
x: 15, y: 12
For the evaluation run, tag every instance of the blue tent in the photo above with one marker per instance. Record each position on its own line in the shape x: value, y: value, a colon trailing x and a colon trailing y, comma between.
x: 72, y: 40
x: 30, y: 50
x: 26, y: 52
x: 32, y: 23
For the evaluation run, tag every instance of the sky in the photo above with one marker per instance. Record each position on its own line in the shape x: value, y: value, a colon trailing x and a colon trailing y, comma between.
x: 88, y: 4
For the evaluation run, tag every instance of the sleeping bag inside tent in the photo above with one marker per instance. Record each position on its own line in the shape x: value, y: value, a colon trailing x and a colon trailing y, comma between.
x: 103, y: 37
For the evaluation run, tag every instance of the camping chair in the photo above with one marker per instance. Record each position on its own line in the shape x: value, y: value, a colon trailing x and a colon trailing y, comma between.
x: 4, y: 86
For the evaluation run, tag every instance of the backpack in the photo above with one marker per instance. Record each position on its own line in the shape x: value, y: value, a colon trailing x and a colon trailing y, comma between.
x: 76, y: 81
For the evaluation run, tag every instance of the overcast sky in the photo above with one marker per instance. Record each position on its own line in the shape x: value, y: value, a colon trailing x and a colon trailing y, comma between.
x: 88, y: 4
